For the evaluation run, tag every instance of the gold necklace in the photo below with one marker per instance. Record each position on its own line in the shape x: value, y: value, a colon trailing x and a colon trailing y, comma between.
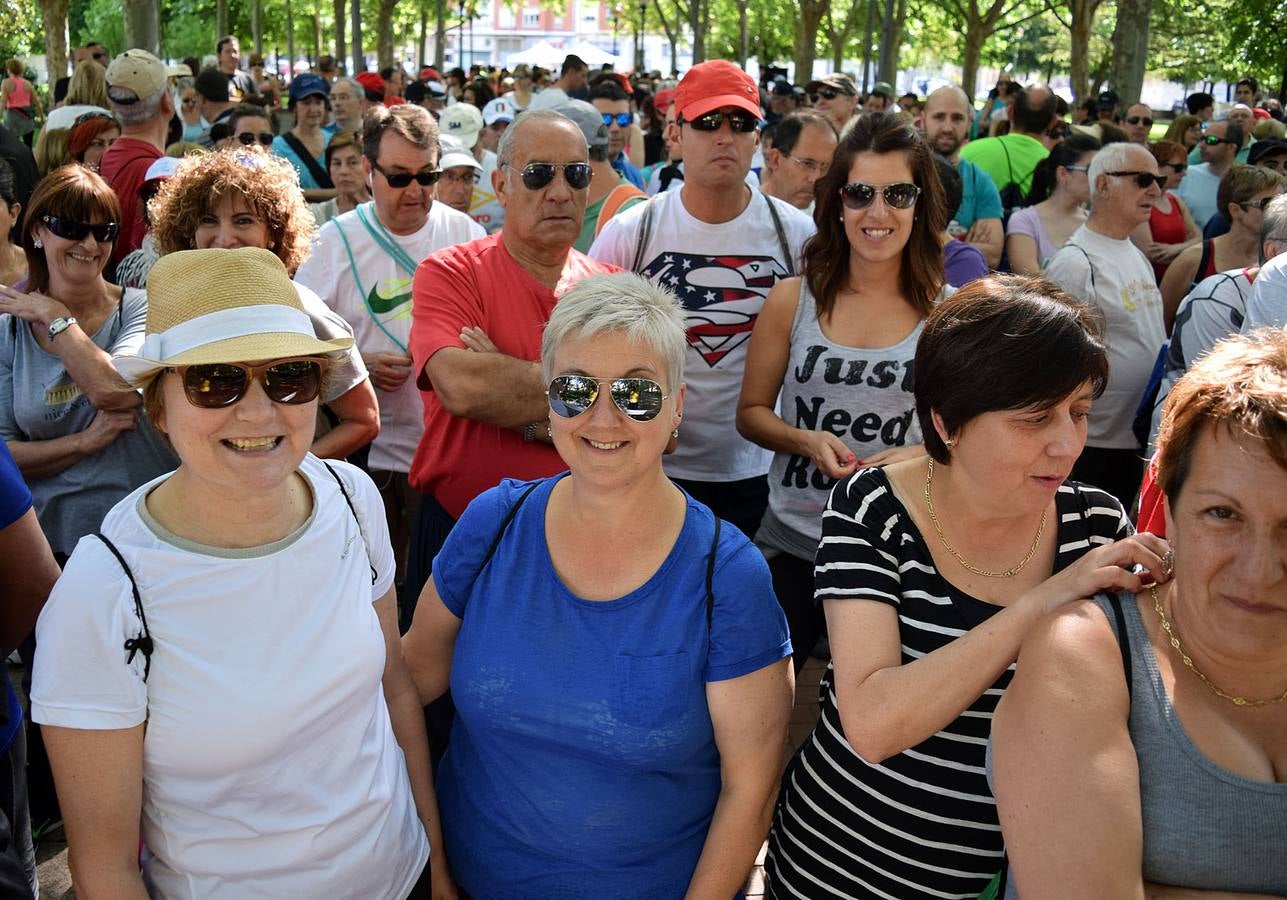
x: 1188, y: 663
x: 1008, y: 573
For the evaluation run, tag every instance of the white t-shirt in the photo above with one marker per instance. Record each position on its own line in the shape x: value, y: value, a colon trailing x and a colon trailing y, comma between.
x: 654, y: 180
x: 1267, y: 304
x: 377, y: 304
x: 548, y: 98
x: 1118, y: 279
x: 721, y: 273
x: 484, y: 208
x: 270, y: 768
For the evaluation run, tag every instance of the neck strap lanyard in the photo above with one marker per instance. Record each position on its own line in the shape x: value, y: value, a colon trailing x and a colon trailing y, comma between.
x: 401, y: 258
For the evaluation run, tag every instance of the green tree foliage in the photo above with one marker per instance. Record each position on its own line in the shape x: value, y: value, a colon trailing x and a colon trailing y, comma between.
x: 21, y: 35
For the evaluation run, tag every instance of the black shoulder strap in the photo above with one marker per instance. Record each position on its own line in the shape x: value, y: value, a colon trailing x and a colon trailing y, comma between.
x: 1089, y: 265
x: 1009, y: 166
x: 1124, y: 644
x: 645, y: 232
x: 710, y: 578
x: 142, y: 642
x: 345, y: 494
x: 320, y: 175
x: 509, y: 517
x: 782, y: 241
x: 1208, y: 248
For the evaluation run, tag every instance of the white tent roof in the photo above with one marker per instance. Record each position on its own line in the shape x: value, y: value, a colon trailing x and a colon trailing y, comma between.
x: 542, y: 53
x: 592, y: 55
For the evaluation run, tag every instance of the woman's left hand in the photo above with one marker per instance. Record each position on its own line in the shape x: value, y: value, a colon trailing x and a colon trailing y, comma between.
x: 36, y: 308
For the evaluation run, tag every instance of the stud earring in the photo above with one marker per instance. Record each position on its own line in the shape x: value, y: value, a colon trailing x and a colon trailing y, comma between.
x: 949, y: 443
x: 39, y: 244
x: 675, y: 433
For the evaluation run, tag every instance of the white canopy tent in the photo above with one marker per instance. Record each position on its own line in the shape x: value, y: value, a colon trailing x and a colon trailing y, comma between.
x: 542, y: 53
x: 593, y: 56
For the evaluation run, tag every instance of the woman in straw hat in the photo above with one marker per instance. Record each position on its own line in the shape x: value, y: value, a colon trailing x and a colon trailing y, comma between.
x: 223, y: 660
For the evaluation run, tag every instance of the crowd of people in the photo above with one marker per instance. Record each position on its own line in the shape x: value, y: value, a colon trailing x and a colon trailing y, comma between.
x: 432, y: 486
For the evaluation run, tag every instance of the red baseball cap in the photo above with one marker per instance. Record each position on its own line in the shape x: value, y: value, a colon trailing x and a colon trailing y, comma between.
x: 709, y: 85
x: 663, y: 99
x: 373, y: 84
x: 1261, y: 113
x: 429, y: 73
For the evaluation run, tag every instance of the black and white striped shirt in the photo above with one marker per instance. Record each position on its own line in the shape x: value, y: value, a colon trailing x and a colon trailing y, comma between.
x: 923, y: 823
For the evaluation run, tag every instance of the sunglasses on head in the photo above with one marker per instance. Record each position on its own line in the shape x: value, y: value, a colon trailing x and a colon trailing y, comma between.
x: 741, y: 122
x: 1212, y: 140
x: 247, y: 138
x: 216, y: 385
x: 860, y: 195
x: 402, y: 179
x: 1142, y: 179
x: 1135, y: 120
x: 825, y: 94
x: 91, y: 116
x: 639, y: 398
x: 538, y: 174
x: 72, y: 230
x: 622, y: 119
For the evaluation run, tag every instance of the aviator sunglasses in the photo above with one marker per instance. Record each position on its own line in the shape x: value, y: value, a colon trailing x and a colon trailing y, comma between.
x: 72, y: 230
x: 1142, y: 179
x: 741, y: 122
x: 538, y: 174
x: 860, y: 195
x: 402, y: 179
x: 639, y: 398
x: 216, y: 385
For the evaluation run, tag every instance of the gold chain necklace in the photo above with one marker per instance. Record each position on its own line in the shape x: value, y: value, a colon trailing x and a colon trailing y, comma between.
x: 1008, y: 573
x: 1188, y: 663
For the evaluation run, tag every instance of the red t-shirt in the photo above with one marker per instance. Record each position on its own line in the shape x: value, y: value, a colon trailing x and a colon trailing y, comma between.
x: 123, y: 166
x: 479, y: 284
x: 1152, y: 517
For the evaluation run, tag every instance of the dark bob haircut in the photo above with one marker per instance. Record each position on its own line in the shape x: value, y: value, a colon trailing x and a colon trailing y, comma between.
x: 70, y: 192
x: 1003, y: 342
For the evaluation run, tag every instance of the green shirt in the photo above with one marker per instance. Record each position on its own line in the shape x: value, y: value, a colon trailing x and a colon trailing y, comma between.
x: 1007, y: 159
x: 591, y: 223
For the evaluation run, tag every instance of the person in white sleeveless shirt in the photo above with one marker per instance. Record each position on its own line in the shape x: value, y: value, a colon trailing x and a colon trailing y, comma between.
x: 838, y: 349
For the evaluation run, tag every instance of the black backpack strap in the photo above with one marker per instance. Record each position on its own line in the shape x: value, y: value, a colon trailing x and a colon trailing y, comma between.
x: 142, y: 642
x: 320, y: 175
x: 509, y: 517
x: 1124, y: 644
x: 710, y: 577
x: 645, y: 232
x: 782, y: 239
x: 345, y: 494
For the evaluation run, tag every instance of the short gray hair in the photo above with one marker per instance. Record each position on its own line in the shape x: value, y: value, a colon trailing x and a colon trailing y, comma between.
x: 358, y: 90
x: 1273, y: 223
x: 1112, y: 158
x: 626, y: 303
x: 528, y: 118
x: 131, y: 109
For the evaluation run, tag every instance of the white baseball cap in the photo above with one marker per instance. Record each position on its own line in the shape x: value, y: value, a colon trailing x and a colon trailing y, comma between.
x: 455, y: 154
x: 462, y: 121
x: 498, y: 110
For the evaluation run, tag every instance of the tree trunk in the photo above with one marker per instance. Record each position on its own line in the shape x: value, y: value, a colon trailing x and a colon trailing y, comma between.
x: 866, y: 43
x: 423, y: 45
x: 384, y: 27
x: 317, y: 31
x: 142, y: 28
x: 290, y: 42
x: 900, y: 21
x: 743, y: 34
x: 355, y: 29
x: 806, y: 38
x: 886, y: 69
x: 697, y: 24
x: 975, y: 34
x: 53, y: 14
x: 1083, y: 16
x: 440, y: 35
x: 221, y: 17
x: 1130, y: 48
x: 338, y: 8
x: 671, y: 35
x: 256, y: 27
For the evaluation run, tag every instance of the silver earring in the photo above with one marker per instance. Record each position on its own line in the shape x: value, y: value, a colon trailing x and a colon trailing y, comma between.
x: 949, y: 443
x: 39, y: 244
x: 675, y: 433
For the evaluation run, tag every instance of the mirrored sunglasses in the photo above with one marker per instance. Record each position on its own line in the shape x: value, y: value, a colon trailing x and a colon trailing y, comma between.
x: 1142, y: 179
x: 623, y: 119
x: 1212, y: 139
x: 70, y: 229
x: 639, y: 398
x: 216, y: 385
x: 247, y: 138
x: 538, y: 174
x: 741, y: 122
x: 860, y: 195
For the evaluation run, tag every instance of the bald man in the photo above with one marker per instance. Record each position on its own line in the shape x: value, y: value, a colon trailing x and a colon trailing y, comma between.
x: 946, y: 121
x: 1011, y: 158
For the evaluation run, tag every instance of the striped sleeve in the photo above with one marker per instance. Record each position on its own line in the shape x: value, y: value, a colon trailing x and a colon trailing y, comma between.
x: 857, y: 558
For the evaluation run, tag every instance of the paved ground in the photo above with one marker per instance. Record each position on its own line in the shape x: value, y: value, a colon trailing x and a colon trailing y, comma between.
x: 51, y: 855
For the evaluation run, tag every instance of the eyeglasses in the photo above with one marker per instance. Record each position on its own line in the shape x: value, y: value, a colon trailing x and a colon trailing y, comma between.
x: 538, y: 174
x: 1135, y: 120
x: 812, y: 165
x: 469, y: 177
x: 623, y: 119
x: 247, y: 138
x: 824, y: 93
x: 1211, y: 140
x: 639, y: 398
x: 70, y: 229
x: 91, y: 116
x: 216, y: 385
x: 741, y: 122
x: 859, y: 195
x: 402, y: 179
x: 1142, y: 179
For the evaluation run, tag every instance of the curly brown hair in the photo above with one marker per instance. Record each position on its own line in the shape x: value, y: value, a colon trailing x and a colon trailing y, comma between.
x: 268, y: 183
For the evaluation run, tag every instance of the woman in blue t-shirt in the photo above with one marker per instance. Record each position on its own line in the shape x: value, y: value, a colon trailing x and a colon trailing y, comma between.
x: 616, y: 657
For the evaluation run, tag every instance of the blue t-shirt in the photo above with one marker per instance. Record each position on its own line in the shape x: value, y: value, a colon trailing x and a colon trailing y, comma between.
x: 624, y: 168
x: 980, y: 198
x: 15, y: 498
x: 306, y: 180
x: 582, y: 762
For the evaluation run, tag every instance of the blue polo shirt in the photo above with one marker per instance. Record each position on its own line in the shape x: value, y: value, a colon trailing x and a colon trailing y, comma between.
x: 980, y: 198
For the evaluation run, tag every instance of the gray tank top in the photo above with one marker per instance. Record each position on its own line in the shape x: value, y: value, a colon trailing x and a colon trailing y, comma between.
x: 863, y: 396
x: 1204, y: 827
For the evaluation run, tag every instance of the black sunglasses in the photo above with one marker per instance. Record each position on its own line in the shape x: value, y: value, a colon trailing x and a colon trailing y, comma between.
x: 1142, y: 179
x: 825, y: 94
x: 538, y: 174
x: 860, y: 195
x: 216, y: 385
x: 622, y: 119
x: 741, y: 122
x: 104, y: 233
x: 639, y: 398
x: 1059, y: 132
x: 1180, y: 168
x: 247, y: 138
x: 1135, y: 120
x: 402, y: 179
x: 1212, y: 140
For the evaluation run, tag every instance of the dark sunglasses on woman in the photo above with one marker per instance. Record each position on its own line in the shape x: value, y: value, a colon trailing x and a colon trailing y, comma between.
x: 860, y: 195
x: 824, y: 93
x: 70, y: 229
x: 538, y: 174
x: 638, y: 398
x: 248, y: 138
x: 1142, y: 179
x: 216, y: 385
x: 402, y: 179
x: 741, y: 122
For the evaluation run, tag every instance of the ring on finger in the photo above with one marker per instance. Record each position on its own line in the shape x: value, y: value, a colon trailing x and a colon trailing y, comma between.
x: 1168, y: 563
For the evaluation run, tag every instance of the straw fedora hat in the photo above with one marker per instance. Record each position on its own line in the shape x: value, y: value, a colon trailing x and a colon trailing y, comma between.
x: 221, y: 306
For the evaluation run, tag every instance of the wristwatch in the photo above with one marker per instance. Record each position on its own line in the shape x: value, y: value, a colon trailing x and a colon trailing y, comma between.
x: 59, y: 325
